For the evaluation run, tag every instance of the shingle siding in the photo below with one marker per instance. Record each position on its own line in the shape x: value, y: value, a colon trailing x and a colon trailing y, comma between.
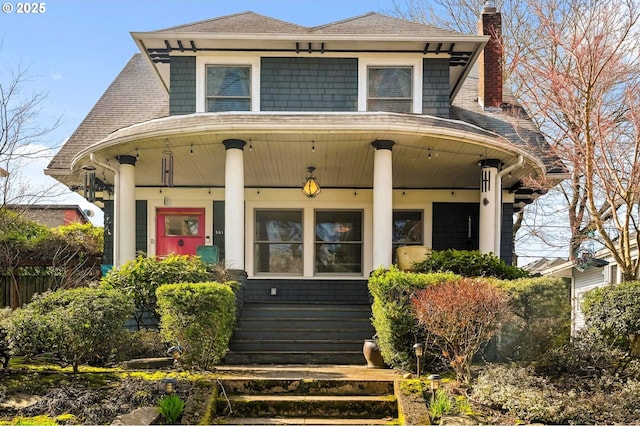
x: 435, y: 87
x: 141, y: 226
x: 506, y: 234
x: 108, y: 210
x: 309, y: 84
x: 182, y: 85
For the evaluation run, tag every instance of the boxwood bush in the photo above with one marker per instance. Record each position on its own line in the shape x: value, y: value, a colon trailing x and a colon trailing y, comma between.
x: 200, y: 318
x: 393, y: 319
x: 76, y: 326
x: 542, y: 317
x: 139, y: 279
x: 469, y: 264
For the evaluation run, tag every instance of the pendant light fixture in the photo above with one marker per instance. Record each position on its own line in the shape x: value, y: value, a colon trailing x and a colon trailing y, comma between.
x: 311, y: 187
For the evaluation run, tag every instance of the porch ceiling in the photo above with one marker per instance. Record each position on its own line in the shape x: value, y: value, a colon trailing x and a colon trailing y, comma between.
x: 280, y: 147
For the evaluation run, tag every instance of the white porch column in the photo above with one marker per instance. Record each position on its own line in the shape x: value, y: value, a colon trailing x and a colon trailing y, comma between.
x: 234, y: 203
x: 382, y: 203
x: 125, y: 211
x: 490, y: 206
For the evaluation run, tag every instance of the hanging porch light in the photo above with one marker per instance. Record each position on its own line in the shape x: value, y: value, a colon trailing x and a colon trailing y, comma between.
x: 311, y: 187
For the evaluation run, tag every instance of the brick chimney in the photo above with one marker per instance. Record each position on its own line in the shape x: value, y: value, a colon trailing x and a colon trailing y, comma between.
x: 490, y: 60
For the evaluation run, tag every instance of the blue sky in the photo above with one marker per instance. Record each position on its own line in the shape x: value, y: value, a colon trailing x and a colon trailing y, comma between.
x: 75, y: 48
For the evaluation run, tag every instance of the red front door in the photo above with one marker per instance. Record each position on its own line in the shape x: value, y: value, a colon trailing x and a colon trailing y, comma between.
x: 179, y: 230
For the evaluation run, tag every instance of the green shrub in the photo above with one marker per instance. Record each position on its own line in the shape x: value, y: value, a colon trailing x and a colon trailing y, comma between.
x: 520, y: 393
x: 592, y: 399
x: 171, y: 408
x: 542, y: 320
x: 200, y: 318
x: 139, y: 279
x: 614, y: 312
x: 77, y: 326
x: 469, y: 264
x: 395, y: 323
x: 588, y: 353
x: 145, y: 343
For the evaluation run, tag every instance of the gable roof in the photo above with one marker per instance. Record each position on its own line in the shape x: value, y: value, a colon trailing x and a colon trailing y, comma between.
x: 370, y: 23
x: 376, y: 23
x: 244, y: 22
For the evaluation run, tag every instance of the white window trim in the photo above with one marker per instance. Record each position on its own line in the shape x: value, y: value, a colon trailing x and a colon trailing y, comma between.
x: 363, y: 79
x: 201, y: 75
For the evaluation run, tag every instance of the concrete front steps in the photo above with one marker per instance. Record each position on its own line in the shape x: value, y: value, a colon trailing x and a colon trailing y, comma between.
x: 301, y: 333
x: 308, y: 401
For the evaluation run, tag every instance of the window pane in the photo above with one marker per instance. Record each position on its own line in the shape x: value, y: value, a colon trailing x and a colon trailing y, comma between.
x: 228, y: 81
x: 278, y: 241
x: 339, y: 258
x: 338, y: 226
x: 407, y: 230
x: 389, y: 105
x: 407, y: 227
x: 181, y: 225
x: 279, y: 258
x: 226, y: 104
x: 278, y: 225
x: 338, y: 242
x: 390, y: 82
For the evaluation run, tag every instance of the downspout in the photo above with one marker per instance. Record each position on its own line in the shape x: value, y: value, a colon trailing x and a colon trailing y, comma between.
x: 498, y: 227
x: 511, y: 168
x: 116, y: 220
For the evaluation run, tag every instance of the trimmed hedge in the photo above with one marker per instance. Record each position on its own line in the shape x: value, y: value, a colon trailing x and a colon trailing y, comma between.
x: 77, y: 326
x: 469, y: 264
x: 200, y: 318
x: 393, y: 318
x: 541, y: 306
x: 139, y: 279
x: 542, y: 321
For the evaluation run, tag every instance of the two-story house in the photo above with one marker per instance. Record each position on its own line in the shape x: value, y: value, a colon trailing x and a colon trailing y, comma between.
x: 307, y: 155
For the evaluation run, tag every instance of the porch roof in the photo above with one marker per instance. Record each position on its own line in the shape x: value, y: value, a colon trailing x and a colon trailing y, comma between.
x: 429, y: 152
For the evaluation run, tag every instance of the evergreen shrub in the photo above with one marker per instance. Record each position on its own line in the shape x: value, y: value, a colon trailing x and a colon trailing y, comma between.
x: 76, y: 326
x: 139, y: 279
x: 542, y: 317
x: 395, y: 323
x: 200, y: 318
x: 614, y: 313
x: 469, y: 264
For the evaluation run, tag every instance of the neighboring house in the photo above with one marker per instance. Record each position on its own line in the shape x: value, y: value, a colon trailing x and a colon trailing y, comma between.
x: 52, y: 215
x: 589, y: 271
x: 208, y: 134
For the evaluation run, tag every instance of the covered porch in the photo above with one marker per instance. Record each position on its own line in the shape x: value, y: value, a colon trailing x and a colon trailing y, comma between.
x: 376, y: 171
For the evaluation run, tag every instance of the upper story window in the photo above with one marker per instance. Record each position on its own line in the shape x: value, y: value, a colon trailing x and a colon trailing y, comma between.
x: 390, y: 89
x: 228, y: 88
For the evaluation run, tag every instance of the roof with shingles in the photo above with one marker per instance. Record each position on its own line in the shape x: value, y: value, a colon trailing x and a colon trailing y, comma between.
x: 510, y: 121
x: 376, y: 23
x: 371, y: 23
x: 244, y: 22
x: 135, y: 95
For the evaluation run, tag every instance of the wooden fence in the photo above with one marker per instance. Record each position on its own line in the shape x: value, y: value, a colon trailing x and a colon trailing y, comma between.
x: 28, y: 285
